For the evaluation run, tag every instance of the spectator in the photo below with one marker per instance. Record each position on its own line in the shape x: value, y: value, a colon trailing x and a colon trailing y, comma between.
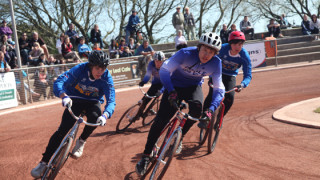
x: 83, y: 49
x: 67, y: 50
x: 4, y: 66
x: 5, y: 30
x: 9, y: 51
x: 95, y: 36
x: 136, y: 48
x: 36, y: 38
x: 284, y: 24
x: 314, y: 25
x: 189, y: 24
x: 126, y: 52
x: 73, y: 35
x: 131, y: 26
x: 96, y: 47
x: 274, y: 29
x: 305, y: 25
x: 178, y: 20
x: 59, y: 42
x: 35, y: 54
x: 224, y: 34
x: 246, y: 27
x: 131, y: 45
x: 232, y: 28
x: 6, y: 42
x: 26, y: 86
x: 121, y: 46
x: 41, y: 81
x: 113, y: 49
x: 52, y: 76
x: 53, y: 61
x: 146, y: 50
x: 180, y: 41
x: 24, y: 48
x: 42, y: 59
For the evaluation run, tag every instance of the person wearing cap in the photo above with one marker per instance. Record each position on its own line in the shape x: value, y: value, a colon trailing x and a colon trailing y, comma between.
x: 178, y: 20
x: 182, y: 76
x: 132, y: 23
x: 233, y: 57
x: 4, y: 29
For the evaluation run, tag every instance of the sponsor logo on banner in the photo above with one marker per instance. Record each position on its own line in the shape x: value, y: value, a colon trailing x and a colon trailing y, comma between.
x: 8, y: 95
x: 257, y: 54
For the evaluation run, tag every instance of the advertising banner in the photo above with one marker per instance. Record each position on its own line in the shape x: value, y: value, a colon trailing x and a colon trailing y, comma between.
x: 8, y: 94
x: 257, y: 54
x: 124, y: 71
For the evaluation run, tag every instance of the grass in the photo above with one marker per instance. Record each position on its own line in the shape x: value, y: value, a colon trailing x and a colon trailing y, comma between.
x: 317, y: 110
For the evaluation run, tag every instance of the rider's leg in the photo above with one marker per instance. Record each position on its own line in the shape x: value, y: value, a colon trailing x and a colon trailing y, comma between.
x: 229, y: 83
x: 93, y: 111
x: 66, y: 124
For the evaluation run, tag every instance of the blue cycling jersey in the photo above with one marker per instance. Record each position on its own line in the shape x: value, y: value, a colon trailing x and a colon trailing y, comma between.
x: 184, y: 69
x: 77, y: 83
x: 231, y: 64
x: 152, y: 70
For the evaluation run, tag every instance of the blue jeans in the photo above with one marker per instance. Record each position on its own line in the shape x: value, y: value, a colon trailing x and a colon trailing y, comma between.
x: 128, y: 33
x: 24, y: 54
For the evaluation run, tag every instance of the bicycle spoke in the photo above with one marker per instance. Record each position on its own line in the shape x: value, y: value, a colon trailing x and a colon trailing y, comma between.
x: 129, y: 117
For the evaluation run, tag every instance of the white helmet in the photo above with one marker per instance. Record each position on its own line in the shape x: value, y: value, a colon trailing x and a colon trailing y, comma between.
x: 159, y: 56
x: 211, y: 39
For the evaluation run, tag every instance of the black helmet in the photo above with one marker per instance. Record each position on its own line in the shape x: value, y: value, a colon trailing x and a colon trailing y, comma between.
x: 98, y: 58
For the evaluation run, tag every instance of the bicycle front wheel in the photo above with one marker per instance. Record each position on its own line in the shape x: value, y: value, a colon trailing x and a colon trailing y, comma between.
x: 58, y: 161
x: 204, y: 132
x: 214, y: 131
x: 127, y: 118
x: 165, y: 157
x: 151, y: 112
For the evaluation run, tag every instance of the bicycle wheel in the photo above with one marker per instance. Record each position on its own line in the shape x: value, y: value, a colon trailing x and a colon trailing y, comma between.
x: 127, y: 118
x: 214, y: 131
x: 139, y: 37
x: 204, y: 134
x: 59, y: 160
x: 151, y: 112
x: 166, y: 155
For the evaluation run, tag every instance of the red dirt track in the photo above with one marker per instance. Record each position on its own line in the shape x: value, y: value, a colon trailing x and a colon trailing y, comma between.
x: 251, y: 145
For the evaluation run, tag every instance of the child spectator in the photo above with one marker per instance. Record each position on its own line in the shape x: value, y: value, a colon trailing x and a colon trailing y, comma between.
x: 113, y: 49
x: 136, y: 48
x: 121, y: 46
x: 83, y: 49
x: 59, y: 42
x: 4, y: 66
x: 35, y: 54
x: 126, y: 52
x: 36, y: 38
x: 67, y: 50
x: 131, y: 45
x: 42, y: 59
x: 180, y: 41
x: 5, y: 41
x: 41, y: 81
x: 96, y: 46
x: 305, y: 25
x: 5, y: 30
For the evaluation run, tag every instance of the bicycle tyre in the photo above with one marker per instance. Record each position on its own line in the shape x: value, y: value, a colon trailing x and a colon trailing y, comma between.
x: 151, y: 112
x: 59, y: 160
x: 142, y: 36
x: 126, y: 119
x: 204, y: 134
x: 214, y: 131
x: 167, y: 154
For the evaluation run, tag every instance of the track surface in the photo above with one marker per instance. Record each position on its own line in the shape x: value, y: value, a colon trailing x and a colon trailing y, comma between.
x: 251, y: 146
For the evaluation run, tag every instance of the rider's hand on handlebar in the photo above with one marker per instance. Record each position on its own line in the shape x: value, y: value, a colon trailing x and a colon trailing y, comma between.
x: 238, y: 88
x: 66, y: 101
x: 102, y: 120
x: 208, y: 115
x: 173, y: 98
x: 141, y: 83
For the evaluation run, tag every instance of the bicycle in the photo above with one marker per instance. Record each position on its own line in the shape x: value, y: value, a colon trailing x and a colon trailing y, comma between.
x: 62, y: 154
x: 213, y: 127
x: 136, y: 34
x: 131, y: 115
x: 169, y: 139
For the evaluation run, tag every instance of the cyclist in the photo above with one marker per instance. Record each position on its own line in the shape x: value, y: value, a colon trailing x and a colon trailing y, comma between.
x: 182, y: 76
x: 130, y: 28
x: 233, y: 56
x: 82, y: 88
x: 156, y: 86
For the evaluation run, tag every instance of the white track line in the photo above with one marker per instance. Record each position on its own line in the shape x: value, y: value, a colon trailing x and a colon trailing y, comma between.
x: 18, y: 109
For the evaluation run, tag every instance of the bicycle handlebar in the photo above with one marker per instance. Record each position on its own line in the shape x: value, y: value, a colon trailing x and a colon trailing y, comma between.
x: 80, y: 119
x: 146, y: 93
x: 184, y: 106
x: 233, y: 89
